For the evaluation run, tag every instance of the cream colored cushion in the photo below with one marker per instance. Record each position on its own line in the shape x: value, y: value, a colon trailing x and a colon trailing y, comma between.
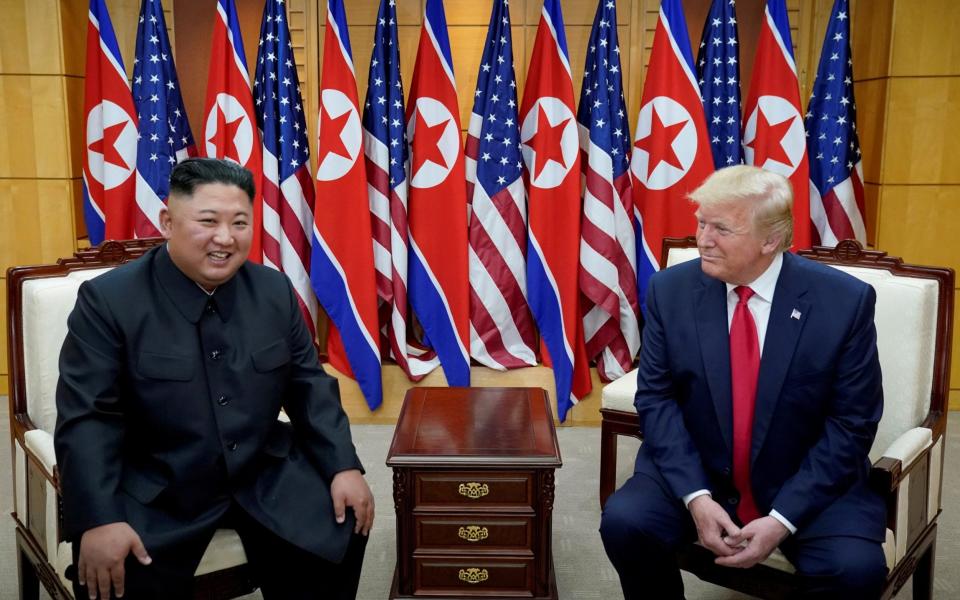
x: 619, y: 393
x: 46, y: 305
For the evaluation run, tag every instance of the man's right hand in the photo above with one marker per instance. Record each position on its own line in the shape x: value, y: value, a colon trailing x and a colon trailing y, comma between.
x: 713, y: 523
x: 103, y: 551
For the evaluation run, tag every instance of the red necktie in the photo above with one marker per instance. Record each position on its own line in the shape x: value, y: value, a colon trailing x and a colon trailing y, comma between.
x: 744, y: 368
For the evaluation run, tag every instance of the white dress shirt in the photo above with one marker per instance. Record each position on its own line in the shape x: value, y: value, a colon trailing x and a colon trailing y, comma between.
x: 759, y: 304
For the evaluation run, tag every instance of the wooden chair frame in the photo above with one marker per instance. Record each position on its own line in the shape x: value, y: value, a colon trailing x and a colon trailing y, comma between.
x: 887, y: 473
x: 33, y: 564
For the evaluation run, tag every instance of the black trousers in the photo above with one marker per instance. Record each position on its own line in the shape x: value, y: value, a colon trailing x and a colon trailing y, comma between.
x: 281, y: 570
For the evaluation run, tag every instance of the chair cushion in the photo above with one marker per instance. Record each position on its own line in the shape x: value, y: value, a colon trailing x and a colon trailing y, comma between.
x: 619, y: 393
x: 681, y: 255
x: 46, y: 305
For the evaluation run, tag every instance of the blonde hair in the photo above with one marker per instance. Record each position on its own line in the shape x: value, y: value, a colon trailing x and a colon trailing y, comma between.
x: 769, y: 195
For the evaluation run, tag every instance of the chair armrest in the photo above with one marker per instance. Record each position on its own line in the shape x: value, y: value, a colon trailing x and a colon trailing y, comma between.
x: 899, y: 457
x: 39, y: 445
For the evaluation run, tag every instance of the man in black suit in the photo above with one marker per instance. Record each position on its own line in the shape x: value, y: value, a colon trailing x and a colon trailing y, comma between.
x: 759, y: 394
x: 172, y: 376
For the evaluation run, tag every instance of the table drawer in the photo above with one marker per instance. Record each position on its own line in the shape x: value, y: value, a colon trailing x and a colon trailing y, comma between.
x: 462, y: 532
x: 468, y: 489
x: 465, y: 576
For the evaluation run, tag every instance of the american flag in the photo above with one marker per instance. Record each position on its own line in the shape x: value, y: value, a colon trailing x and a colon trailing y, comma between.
x: 502, y: 333
x: 287, y: 184
x: 836, y: 171
x: 608, y: 243
x: 385, y: 146
x: 164, y: 136
x: 718, y: 66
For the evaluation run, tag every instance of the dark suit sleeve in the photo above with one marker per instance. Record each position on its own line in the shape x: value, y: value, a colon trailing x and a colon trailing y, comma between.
x: 834, y: 463
x: 313, y: 403
x: 665, y: 436
x: 90, y: 423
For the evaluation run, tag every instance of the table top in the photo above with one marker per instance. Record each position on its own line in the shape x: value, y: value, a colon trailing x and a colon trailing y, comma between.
x: 475, y: 427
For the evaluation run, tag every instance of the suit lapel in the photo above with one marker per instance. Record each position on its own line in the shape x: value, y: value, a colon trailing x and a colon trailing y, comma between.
x: 711, y: 321
x: 788, y: 314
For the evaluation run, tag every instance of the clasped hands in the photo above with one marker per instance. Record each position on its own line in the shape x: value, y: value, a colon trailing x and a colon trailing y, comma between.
x: 740, y: 547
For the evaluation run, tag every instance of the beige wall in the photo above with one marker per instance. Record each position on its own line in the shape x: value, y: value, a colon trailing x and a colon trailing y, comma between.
x: 906, y: 63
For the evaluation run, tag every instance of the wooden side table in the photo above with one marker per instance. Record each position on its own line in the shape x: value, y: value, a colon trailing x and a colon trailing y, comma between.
x: 473, y: 487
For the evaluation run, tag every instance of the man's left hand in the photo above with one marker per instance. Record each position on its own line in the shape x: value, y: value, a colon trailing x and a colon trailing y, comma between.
x: 761, y: 537
x: 349, y: 488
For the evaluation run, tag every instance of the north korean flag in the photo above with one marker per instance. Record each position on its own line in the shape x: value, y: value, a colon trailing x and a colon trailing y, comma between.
x: 551, y: 154
x: 230, y: 126
x: 439, y: 289
x: 110, y: 157
x: 342, y: 270
x: 773, y: 134
x: 671, y: 150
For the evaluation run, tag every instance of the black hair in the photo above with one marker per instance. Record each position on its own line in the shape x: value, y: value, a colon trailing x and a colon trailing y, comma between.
x: 193, y: 172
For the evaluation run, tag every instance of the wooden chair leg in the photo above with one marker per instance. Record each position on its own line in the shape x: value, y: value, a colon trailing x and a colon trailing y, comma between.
x: 27, y: 577
x: 923, y: 575
x: 608, y: 463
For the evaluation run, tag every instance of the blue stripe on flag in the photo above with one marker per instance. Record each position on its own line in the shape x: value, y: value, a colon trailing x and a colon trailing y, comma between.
x: 673, y: 11
x: 556, y: 17
x: 546, y: 309
x: 438, y: 24
x: 107, y: 36
x: 331, y: 290
x: 233, y: 23
x: 778, y: 12
x: 340, y: 17
x: 440, y: 331
x: 95, y: 224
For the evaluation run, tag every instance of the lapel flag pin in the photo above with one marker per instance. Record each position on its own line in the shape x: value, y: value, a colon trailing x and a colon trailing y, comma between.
x: 795, y: 314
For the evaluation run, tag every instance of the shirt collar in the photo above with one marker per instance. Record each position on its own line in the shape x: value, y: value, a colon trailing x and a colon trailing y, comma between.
x: 187, y: 295
x: 764, y: 285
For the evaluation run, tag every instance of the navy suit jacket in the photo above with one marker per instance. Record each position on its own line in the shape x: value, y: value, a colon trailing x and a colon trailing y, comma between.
x: 819, y: 397
x: 167, y: 411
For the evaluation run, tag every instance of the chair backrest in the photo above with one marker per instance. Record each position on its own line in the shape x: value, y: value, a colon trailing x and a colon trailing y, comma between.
x: 914, y: 319
x: 40, y: 298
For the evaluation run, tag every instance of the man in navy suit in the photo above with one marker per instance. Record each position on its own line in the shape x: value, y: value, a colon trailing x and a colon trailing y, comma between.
x: 758, y: 395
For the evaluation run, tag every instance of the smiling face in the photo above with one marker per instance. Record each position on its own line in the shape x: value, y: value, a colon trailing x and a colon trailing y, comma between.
x: 209, y: 233
x: 731, y: 248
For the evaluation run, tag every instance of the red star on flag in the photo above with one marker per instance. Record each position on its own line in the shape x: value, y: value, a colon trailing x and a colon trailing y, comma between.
x: 658, y: 144
x: 426, y: 143
x: 768, y: 141
x: 332, y: 143
x: 107, y: 145
x: 224, y: 137
x: 546, y: 143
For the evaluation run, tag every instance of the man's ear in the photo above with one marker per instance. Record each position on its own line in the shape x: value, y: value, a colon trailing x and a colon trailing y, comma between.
x: 772, y: 244
x: 166, y: 221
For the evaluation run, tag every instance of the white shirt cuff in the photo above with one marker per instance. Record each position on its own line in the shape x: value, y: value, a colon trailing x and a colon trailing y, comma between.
x: 783, y: 520
x: 689, y: 497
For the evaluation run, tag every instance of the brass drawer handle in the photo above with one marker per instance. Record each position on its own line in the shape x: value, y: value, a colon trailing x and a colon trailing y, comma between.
x: 474, y: 575
x: 473, y: 490
x: 473, y: 533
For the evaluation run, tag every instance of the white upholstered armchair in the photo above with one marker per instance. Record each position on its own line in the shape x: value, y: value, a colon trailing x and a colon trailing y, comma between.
x: 914, y: 315
x: 39, y: 300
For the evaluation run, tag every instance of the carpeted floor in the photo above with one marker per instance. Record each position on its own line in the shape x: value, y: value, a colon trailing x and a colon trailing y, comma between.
x: 583, y: 572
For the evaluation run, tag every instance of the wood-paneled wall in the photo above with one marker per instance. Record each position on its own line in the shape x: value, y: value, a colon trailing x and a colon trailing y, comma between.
x: 906, y: 70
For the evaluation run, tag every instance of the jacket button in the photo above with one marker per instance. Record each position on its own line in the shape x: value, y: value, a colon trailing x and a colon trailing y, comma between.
x: 215, y: 354
x: 726, y: 470
x: 223, y: 400
x: 233, y: 446
x: 733, y: 500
